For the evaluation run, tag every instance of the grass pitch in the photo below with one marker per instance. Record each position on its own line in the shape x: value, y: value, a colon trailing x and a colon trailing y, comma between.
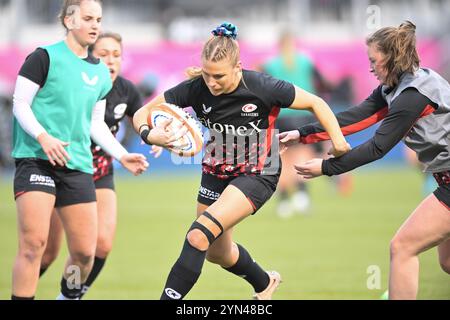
x: 324, y: 255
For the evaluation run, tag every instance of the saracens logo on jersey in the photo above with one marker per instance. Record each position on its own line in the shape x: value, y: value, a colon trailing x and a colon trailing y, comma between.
x: 119, y: 110
x: 249, y: 110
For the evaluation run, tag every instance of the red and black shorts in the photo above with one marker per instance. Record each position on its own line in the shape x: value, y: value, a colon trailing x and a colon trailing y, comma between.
x: 69, y: 186
x: 442, y: 192
x: 106, y: 181
x: 103, y: 169
x: 258, y: 189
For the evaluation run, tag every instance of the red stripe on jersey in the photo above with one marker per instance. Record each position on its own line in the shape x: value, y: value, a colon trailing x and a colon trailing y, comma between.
x: 428, y: 110
x: 350, y: 129
x: 272, y: 118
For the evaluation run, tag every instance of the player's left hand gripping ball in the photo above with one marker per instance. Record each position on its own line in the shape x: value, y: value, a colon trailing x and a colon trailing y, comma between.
x: 189, y: 144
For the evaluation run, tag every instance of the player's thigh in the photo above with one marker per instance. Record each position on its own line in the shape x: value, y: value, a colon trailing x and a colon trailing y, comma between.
x: 33, y: 216
x: 243, y: 196
x: 77, y: 207
x: 231, y: 207
x: 444, y: 255
x: 34, y: 192
x: 426, y: 227
x: 80, y: 226
x: 55, y: 235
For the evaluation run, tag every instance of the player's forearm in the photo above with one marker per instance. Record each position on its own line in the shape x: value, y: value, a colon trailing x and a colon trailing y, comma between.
x: 101, y: 134
x: 140, y: 117
x: 354, y: 119
x: 359, y: 156
x: 327, y: 119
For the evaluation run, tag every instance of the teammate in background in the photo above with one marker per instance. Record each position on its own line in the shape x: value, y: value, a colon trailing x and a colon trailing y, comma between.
x: 298, y: 69
x: 59, y: 104
x: 121, y: 102
x: 414, y: 104
x: 240, y: 108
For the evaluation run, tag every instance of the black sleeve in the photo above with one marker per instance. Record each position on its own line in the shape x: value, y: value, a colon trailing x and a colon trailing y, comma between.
x: 179, y: 95
x: 405, y: 110
x: 354, y: 119
x: 36, y: 66
x: 134, y: 99
x: 274, y: 92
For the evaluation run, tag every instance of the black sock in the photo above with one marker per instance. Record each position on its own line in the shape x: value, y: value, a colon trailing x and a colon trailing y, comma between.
x: 73, y: 293
x: 184, y: 273
x: 13, y: 297
x: 42, y: 271
x: 96, y: 268
x: 248, y: 269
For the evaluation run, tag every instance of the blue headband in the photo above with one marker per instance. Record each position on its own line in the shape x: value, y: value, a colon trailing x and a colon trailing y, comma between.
x: 226, y: 29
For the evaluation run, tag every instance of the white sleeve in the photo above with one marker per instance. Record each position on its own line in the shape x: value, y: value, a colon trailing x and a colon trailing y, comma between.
x: 24, y: 94
x: 101, y: 134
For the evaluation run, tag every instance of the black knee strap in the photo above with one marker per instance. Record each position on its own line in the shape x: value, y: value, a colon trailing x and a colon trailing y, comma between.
x: 217, y: 223
x: 205, y: 230
x: 209, y: 235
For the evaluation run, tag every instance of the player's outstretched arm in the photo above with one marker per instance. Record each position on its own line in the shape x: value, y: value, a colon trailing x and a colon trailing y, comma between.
x: 307, y: 101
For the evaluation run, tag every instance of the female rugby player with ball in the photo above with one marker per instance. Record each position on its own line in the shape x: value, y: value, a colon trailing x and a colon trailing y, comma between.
x: 241, y: 162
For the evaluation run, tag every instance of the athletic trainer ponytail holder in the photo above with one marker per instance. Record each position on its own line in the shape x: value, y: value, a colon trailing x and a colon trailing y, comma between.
x: 226, y: 29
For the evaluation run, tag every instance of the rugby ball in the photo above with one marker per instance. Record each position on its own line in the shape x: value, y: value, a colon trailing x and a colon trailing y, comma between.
x: 188, y: 145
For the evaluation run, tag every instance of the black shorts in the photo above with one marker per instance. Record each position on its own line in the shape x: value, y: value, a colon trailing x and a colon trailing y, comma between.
x: 289, y: 123
x: 442, y: 192
x: 69, y: 186
x: 258, y: 189
x: 105, y: 182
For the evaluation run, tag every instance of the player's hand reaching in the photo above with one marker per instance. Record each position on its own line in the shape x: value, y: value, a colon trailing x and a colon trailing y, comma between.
x: 164, y: 135
x: 135, y: 163
x: 156, y: 151
x: 310, y: 169
x: 54, y: 149
x: 288, y: 139
x: 339, y: 151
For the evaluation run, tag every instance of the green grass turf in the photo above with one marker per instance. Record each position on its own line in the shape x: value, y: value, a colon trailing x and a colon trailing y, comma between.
x: 324, y: 255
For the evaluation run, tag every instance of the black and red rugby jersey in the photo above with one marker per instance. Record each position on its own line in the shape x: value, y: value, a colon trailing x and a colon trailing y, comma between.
x: 241, y: 123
